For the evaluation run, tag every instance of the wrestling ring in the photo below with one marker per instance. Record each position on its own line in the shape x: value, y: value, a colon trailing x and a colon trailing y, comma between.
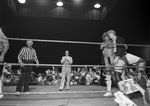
x: 80, y: 95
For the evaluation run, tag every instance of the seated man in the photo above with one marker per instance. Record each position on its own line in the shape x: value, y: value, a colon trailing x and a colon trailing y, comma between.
x: 139, y: 63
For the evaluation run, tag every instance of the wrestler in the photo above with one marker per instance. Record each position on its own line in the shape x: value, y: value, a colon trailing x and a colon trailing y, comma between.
x: 108, y: 53
x: 119, y: 52
x: 4, y: 46
x: 140, y: 73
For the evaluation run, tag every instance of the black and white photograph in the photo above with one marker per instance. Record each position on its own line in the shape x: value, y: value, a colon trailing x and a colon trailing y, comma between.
x: 74, y: 52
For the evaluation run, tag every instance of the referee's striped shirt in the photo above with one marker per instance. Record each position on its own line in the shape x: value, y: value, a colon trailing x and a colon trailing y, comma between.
x: 27, y: 54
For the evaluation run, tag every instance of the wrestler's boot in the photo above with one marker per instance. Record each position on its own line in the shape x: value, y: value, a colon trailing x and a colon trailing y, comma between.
x: 108, y: 84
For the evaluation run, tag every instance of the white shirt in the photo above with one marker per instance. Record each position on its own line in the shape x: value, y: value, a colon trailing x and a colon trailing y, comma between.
x: 132, y: 59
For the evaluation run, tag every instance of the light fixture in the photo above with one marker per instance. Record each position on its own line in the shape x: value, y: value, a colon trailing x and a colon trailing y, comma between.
x: 22, y: 1
x: 59, y: 3
x: 97, y: 5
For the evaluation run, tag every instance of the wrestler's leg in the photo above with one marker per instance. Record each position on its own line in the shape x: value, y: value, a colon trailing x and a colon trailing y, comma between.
x: 146, y: 96
x: 108, y: 76
x: 118, y: 76
x: 108, y: 84
x: 118, y: 70
x: 144, y: 90
x: 1, y: 69
x: 111, y: 60
x: 106, y: 61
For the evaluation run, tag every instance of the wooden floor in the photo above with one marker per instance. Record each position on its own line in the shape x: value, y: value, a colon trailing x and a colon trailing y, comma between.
x: 61, y: 99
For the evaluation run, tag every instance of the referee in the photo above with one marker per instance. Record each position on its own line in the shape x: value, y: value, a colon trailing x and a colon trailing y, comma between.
x: 27, y: 55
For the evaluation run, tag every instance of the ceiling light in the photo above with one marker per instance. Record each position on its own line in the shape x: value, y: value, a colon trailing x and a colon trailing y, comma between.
x: 22, y: 1
x: 59, y: 3
x: 97, y: 5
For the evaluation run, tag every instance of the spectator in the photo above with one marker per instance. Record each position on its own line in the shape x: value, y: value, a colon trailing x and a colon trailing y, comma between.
x: 89, y: 78
x: 83, y: 76
x: 66, y: 70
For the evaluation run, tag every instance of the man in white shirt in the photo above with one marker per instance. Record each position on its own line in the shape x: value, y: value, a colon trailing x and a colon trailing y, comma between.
x: 140, y: 64
x: 66, y: 70
x: 137, y: 61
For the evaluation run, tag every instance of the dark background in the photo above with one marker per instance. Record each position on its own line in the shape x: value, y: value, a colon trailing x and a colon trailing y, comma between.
x: 129, y: 18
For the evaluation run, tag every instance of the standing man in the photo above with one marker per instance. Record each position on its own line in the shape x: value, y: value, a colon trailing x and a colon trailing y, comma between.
x: 27, y: 55
x: 119, y: 53
x: 4, y: 46
x: 108, y: 53
x: 66, y: 70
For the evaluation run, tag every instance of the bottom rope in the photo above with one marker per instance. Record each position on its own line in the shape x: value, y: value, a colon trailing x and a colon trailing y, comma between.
x: 61, y: 92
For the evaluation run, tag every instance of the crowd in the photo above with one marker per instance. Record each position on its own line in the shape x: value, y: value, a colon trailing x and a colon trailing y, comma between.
x: 79, y: 76
x: 9, y: 76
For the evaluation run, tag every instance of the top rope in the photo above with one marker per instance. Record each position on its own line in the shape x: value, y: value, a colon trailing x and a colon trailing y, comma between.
x: 73, y: 42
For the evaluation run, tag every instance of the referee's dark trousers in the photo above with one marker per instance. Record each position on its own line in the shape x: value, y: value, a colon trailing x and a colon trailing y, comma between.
x: 23, y: 83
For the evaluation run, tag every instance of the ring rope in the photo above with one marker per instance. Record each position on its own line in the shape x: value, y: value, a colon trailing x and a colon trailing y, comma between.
x: 59, y: 92
x: 60, y: 65
x: 17, y: 64
x: 74, y: 42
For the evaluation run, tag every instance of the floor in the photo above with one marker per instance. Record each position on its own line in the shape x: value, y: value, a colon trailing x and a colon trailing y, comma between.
x: 51, y: 96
